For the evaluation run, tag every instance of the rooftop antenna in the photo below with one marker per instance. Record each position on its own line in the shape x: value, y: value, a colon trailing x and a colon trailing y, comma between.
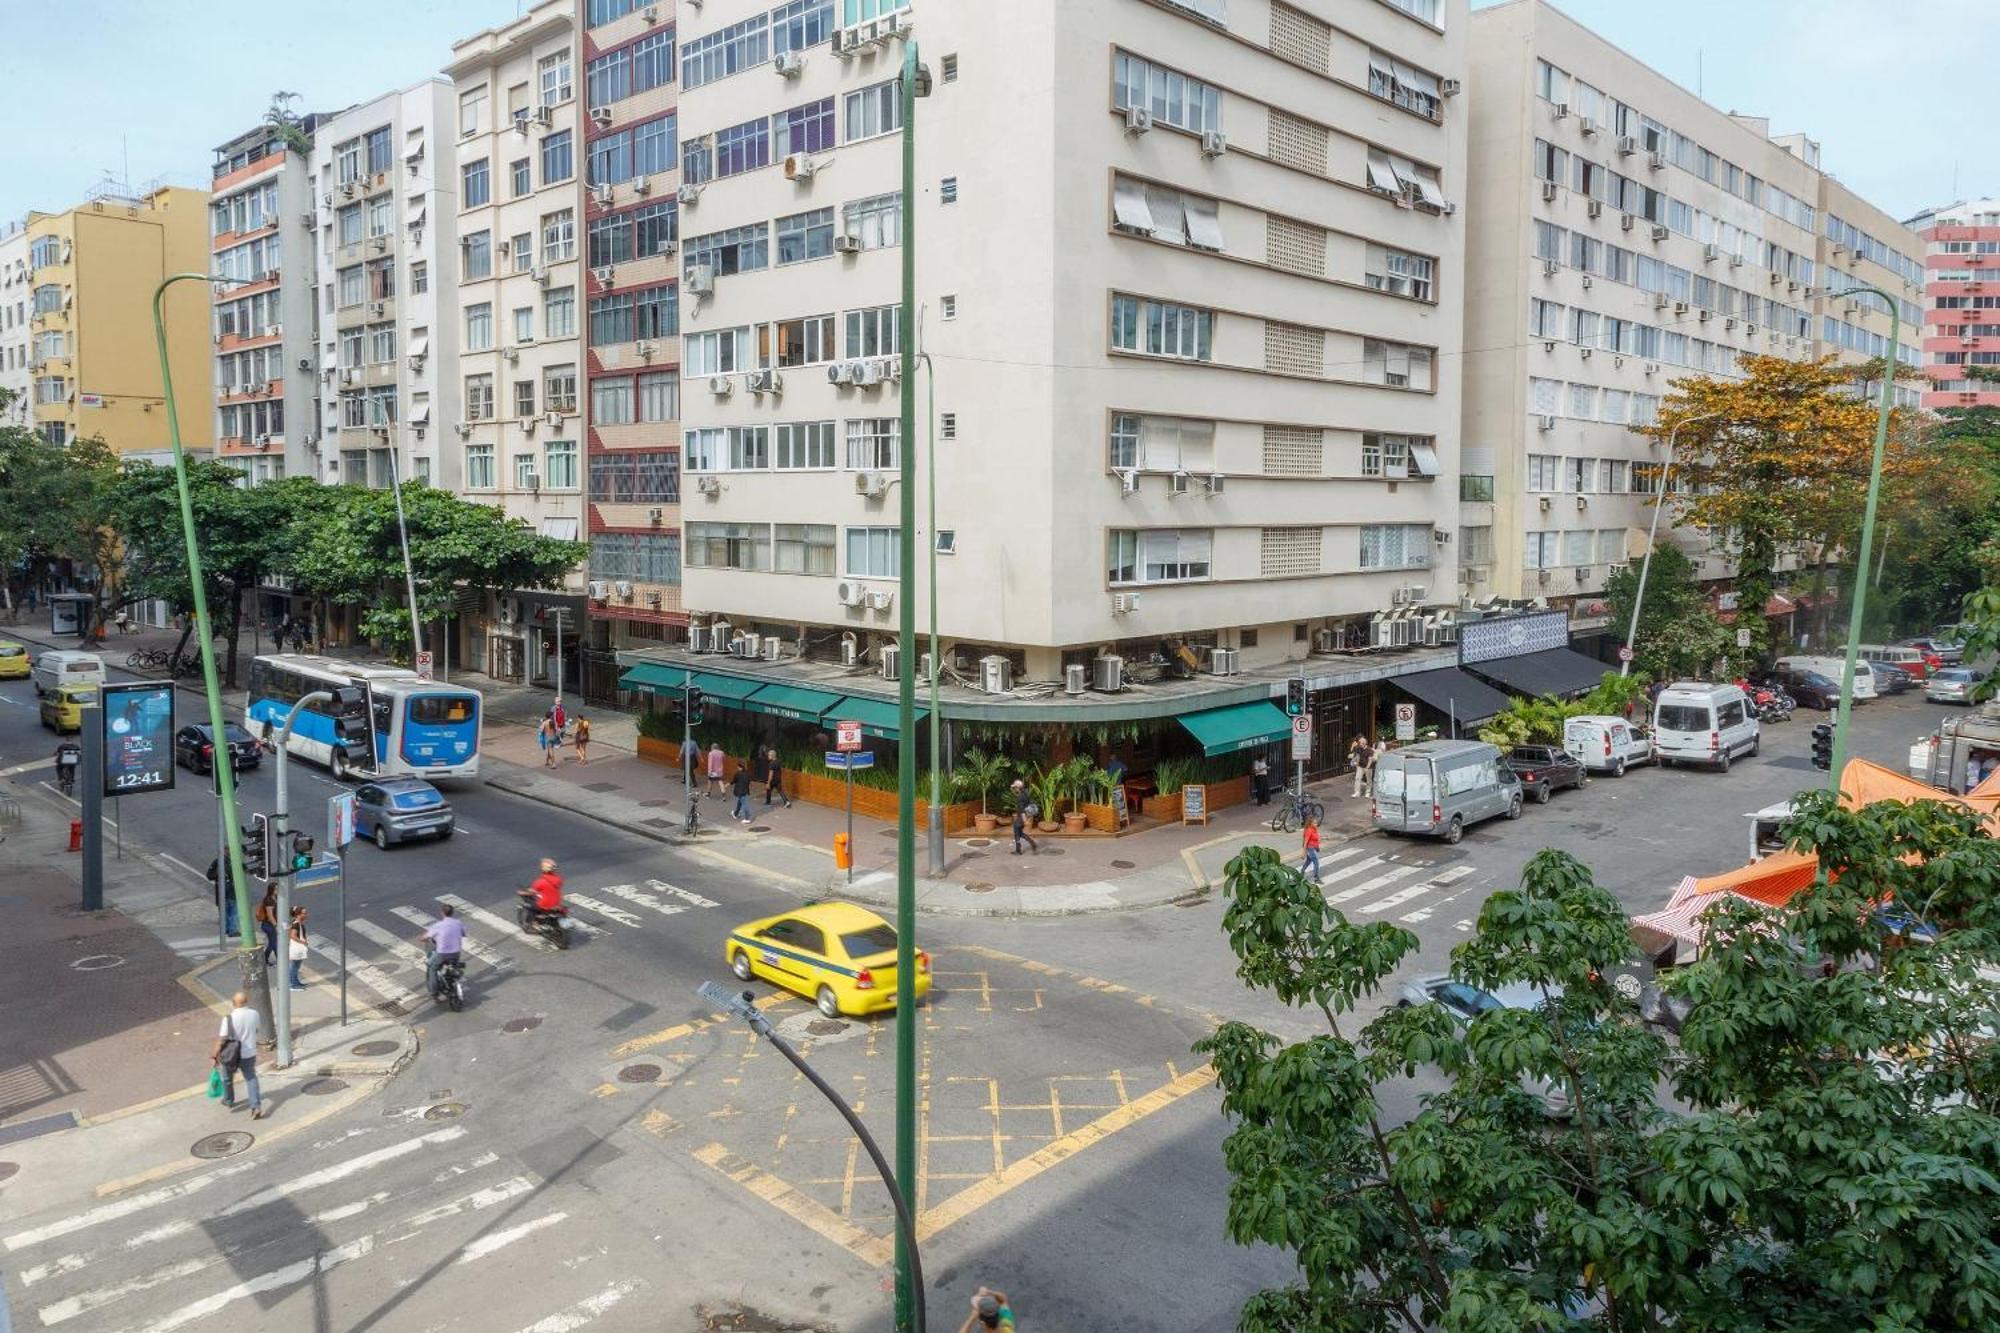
x: 1698, y: 72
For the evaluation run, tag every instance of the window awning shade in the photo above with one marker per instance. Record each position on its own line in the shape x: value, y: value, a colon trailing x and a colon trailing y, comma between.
x: 1237, y: 727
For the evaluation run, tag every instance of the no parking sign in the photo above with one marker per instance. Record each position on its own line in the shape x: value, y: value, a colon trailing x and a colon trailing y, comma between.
x: 1406, y: 722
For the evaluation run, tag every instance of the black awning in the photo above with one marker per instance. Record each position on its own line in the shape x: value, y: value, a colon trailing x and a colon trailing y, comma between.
x: 1557, y: 671
x: 1454, y: 694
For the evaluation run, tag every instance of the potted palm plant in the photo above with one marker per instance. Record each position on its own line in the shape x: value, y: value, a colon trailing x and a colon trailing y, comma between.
x: 981, y: 774
x: 1049, y: 787
x: 1081, y: 780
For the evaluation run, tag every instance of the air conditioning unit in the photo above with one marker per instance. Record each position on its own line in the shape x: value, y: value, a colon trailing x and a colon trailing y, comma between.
x: 850, y: 651
x: 1177, y: 484
x: 718, y: 636
x: 1449, y: 87
x: 603, y: 276
x: 892, y: 367
x: 1214, y: 482
x: 1586, y: 126
x: 511, y: 353
x: 1225, y: 662
x: 656, y: 515
x: 1560, y: 110
x: 799, y: 167
x: 1128, y: 480
x: 1661, y: 300
x: 305, y: 363
x: 1627, y: 145
x: 1124, y: 603
x: 1659, y: 232
x: 840, y: 372
x: 1680, y: 307
x: 1076, y: 678
x: 762, y: 381
x: 1628, y: 221
x: 1107, y: 673
x: 847, y: 245
x: 528, y: 425
x: 595, y: 591
x: 1656, y: 161
x: 1583, y: 502
x: 642, y: 185
x: 545, y: 116
x: 881, y: 599
x: 708, y: 484
x: 377, y: 308
x: 871, y: 485
x: 644, y: 350
x: 601, y: 195
x: 867, y: 372
x: 1595, y: 208
x: 773, y: 647
x: 890, y: 657
x: 1138, y: 119
x: 1777, y: 278
x: 1550, y: 268
x: 1710, y: 253
x: 1214, y: 143
x: 789, y: 64
x: 687, y: 195
x: 700, y: 279
x: 531, y: 481
x: 996, y: 674
x: 1736, y: 261
x: 624, y: 589
x: 1545, y: 422
x: 553, y: 418
x: 745, y: 644
x: 721, y: 385
x: 1652, y: 368
x: 1548, y: 191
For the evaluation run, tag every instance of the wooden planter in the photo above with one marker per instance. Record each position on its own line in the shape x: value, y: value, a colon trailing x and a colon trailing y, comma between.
x: 1101, y: 818
x: 1164, y: 808
x: 1233, y: 792
x: 662, y: 752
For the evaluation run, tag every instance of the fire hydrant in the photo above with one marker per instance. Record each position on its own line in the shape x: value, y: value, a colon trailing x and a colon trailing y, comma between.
x: 76, y: 835
x: 843, y: 852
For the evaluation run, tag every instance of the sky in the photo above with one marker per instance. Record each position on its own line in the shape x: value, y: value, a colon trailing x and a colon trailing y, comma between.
x: 167, y: 80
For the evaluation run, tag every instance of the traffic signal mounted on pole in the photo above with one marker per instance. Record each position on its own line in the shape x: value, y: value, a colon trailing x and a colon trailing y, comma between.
x: 1822, y: 746
x: 1295, y: 698
x: 257, y: 850
x: 302, y: 853
x: 694, y: 705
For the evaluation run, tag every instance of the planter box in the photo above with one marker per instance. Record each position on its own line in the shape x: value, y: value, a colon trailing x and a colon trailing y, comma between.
x: 662, y: 752
x: 1101, y: 818
x: 1233, y: 792
x: 1167, y: 809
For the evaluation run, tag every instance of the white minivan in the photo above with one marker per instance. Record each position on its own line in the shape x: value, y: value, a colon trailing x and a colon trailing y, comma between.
x: 1605, y: 744
x: 1695, y: 722
x: 1833, y: 668
x: 61, y: 667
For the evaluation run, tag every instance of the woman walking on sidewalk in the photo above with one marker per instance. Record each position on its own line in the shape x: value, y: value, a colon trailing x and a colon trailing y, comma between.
x: 545, y: 736
x: 582, y: 739
x: 1311, y: 839
x: 267, y: 921
x: 739, y: 787
x: 299, y: 949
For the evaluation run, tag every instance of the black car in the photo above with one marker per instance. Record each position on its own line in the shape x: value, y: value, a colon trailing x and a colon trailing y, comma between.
x: 1544, y: 770
x: 1810, y: 689
x: 1890, y: 678
x: 194, y: 748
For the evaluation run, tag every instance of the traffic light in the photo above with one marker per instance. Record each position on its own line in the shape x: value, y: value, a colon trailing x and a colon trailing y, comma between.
x: 1822, y: 746
x: 302, y: 853
x: 257, y: 849
x: 694, y: 705
x: 1295, y: 697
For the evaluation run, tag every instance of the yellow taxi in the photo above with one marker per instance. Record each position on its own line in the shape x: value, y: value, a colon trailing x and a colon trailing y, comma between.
x: 14, y: 660
x: 839, y: 956
x: 62, y: 707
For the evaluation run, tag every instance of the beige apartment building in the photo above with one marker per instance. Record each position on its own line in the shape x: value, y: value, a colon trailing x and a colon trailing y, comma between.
x: 517, y: 441
x: 1624, y: 233
x: 1189, y: 278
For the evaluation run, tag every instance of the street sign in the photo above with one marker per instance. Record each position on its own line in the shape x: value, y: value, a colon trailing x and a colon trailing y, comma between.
x: 850, y: 761
x: 1302, y: 738
x: 1742, y: 638
x: 138, y: 730
x: 847, y: 736
x: 1406, y: 722
x: 424, y: 663
x: 340, y: 820
x: 317, y: 875
x: 1624, y: 654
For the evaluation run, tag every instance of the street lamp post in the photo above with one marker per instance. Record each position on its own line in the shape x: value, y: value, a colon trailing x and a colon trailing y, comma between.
x: 278, y: 858
x: 1652, y: 539
x: 934, y: 832
x: 409, y: 577
x: 1883, y: 409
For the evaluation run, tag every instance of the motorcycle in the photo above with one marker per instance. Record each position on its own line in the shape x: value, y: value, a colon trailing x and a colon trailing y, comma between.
x: 449, y: 988
x: 1770, y: 701
x: 551, y: 926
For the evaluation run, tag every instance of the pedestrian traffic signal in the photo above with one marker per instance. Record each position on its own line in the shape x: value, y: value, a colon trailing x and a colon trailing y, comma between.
x: 257, y: 850
x: 302, y: 852
x: 1295, y: 697
x: 1822, y: 746
x: 694, y: 705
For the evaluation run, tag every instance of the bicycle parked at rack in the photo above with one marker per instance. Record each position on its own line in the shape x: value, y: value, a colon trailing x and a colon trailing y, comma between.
x: 1294, y: 810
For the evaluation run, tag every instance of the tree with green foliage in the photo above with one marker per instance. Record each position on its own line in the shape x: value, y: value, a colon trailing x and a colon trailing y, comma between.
x: 58, y: 504
x: 1679, y: 632
x: 1830, y: 1158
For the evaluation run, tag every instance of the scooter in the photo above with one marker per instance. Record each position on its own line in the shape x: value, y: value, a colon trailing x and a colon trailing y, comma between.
x: 551, y: 926
x: 449, y: 989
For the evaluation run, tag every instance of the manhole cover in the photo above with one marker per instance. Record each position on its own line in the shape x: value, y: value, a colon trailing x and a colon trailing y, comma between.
x: 1124, y: 865
x: 657, y: 823
x: 979, y: 888
x: 222, y: 1145
x: 97, y: 962
x: 979, y: 842
x: 639, y: 1074
x: 322, y: 1087
x: 825, y: 1027
x: 445, y: 1111
x: 655, y: 805
x: 600, y: 786
x: 8, y: 1169
x: 521, y: 1025
x: 760, y: 828
x: 367, y: 1048
x: 1053, y: 851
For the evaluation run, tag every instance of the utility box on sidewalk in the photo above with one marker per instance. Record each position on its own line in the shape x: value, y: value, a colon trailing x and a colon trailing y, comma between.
x: 843, y: 852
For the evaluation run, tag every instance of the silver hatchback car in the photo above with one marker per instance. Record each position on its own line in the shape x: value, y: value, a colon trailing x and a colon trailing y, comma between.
x: 1953, y: 685
x: 1465, y: 1003
x: 396, y: 810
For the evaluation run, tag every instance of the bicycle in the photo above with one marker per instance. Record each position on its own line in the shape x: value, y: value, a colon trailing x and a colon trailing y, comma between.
x: 1295, y: 810
x: 146, y: 659
x: 693, y: 823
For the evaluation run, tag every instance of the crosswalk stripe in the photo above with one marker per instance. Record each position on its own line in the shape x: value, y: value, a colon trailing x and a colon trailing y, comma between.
x: 499, y: 925
x: 69, y: 1307
x: 110, y: 1212
x: 393, y: 993
x: 498, y: 1240
x: 1383, y: 880
x: 632, y: 893
x: 395, y: 946
x: 688, y: 896
x: 342, y: 1170
x: 606, y: 910
x: 570, y: 1319
x: 484, y: 952
x: 1401, y: 896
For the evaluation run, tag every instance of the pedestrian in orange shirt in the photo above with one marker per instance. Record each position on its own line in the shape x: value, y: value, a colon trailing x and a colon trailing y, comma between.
x: 1311, y: 866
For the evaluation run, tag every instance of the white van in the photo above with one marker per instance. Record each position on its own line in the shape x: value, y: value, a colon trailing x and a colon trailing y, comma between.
x: 1834, y: 668
x: 1605, y: 744
x: 61, y: 667
x: 1695, y: 722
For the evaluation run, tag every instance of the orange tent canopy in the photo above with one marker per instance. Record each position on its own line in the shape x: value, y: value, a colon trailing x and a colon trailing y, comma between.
x: 1771, y: 881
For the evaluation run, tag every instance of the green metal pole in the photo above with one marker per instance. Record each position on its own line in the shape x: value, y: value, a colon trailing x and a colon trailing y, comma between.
x: 935, y: 831
x: 906, y: 709
x: 252, y: 957
x: 1854, y: 613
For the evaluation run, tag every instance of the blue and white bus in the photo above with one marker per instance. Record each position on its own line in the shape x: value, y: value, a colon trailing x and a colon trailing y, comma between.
x: 405, y: 726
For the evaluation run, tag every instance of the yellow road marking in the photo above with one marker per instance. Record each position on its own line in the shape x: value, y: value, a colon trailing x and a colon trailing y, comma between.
x: 790, y: 1202
x: 679, y: 1030
x: 605, y: 1090
x: 658, y: 1123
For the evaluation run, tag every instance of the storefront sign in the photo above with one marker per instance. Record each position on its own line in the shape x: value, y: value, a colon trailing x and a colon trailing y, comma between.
x: 1194, y: 803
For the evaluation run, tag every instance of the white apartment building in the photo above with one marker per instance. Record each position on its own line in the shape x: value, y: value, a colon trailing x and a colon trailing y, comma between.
x: 15, y: 352
x: 514, y: 212
x: 1623, y: 233
x: 385, y: 175
x: 1190, y: 280
x: 1859, y: 243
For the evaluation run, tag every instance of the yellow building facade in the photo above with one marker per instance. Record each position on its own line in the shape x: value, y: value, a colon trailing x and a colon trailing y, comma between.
x: 95, y: 370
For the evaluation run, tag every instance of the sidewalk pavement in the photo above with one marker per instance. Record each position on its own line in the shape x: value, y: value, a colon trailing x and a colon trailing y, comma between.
x: 111, y: 1016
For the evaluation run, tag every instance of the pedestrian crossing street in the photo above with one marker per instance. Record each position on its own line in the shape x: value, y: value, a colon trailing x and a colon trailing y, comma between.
x: 386, y: 957
x: 1367, y: 885
x: 319, y: 1237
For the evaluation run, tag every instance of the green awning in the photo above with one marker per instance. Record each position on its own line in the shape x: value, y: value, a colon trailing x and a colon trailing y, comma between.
x: 654, y: 676
x: 792, y: 701
x: 727, y: 689
x: 876, y: 718
x: 1237, y: 727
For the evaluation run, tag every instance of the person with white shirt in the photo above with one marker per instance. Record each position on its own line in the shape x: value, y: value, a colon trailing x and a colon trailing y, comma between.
x: 241, y: 1026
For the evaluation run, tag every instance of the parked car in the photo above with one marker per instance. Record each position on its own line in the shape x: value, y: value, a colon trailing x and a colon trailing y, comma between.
x: 14, y: 660
x: 1810, y: 689
x: 1466, y: 1003
x: 1605, y: 744
x: 1894, y: 678
x: 1438, y: 788
x: 1835, y: 669
x: 1544, y: 770
x: 63, y: 667
x: 1949, y: 652
x: 1953, y: 685
x: 398, y: 809
x: 194, y: 748
x: 62, y: 707
x: 1695, y: 722
x: 1917, y: 661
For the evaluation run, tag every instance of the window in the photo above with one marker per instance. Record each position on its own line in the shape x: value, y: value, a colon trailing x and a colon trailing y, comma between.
x: 948, y: 69
x: 1388, y: 455
x: 799, y: 24
x: 654, y: 148
x: 611, y: 159
x: 1539, y: 549
x: 804, y: 236
x: 475, y: 184
x: 1611, y: 476
x: 1172, y: 97
x: 559, y: 465
x: 381, y: 343
x: 347, y: 225
x: 1411, y: 181
x: 1161, y: 328
x: 608, y: 78
x: 874, y: 332
x: 872, y: 444
x: 1427, y: 10
x: 1405, y: 85
x: 874, y: 552
x: 1544, y: 470
x: 521, y: 249
x: 559, y: 313
x: 1578, y: 546
x: 526, y: 478
x: 524, y: 324
x: 1398, y: 365
x: 381, y: 152
x: 479, y: 467
x: 742, y: 148
x: 804, y: 129
x: 659, y: 396
x: 948, y: 307
x: 1157, y: 555
x: 738, y: 250
x: 727, y: 51
x: 804, y: 548
x: 806, y: 444
x: 558, y: 157
x: 558, y: 236
x: 347, y: 161
x: 948, y: 192
x: 382, y: 405
x: 1545, y: 319
x: 559, y: 388
x: 655, y: 228
x: 479, y: 398
x: 479, y: 327
x: 876, y: 109
x: 556, y: 79
x: 652, y: 61
x: 1579, y: 475
x: 524, y: 398
x: 1551, y: 163
x: 351, y: 341
x: 1395, y: 546
x: 875, y: 222
x: 796, y: 342
x: 352, y: 290
x: 420, y: 277
x: 381, y: 215
x: 635, y: 477
x: 1167, y: 215
x: 717, y: 352
x: 728, y: 546
x: 476, y: 256
x: 472, y: 111
x: 1399, y: 273
x: 611, y: 402
x: 1124, y: 440
x: 1475, y: 546
x: 1583, y: 402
